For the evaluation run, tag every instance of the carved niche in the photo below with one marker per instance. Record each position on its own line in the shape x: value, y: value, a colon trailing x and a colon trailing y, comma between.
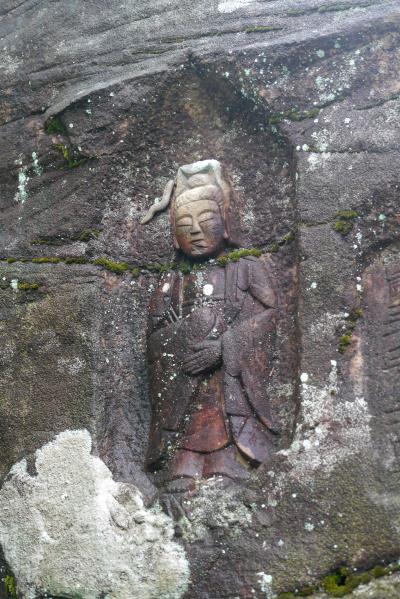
x: 211, y: 337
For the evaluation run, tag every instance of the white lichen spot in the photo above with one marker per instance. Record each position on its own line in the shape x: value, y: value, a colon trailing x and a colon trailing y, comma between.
x: 232, y: 515
x: 320, y: 53
x: 313, y: 285
x: 232, y: 5
x: 304, y: 377
x: 324, y: 327
x: 208, y: 289
x: 9, y: 64
x: 23, y: 179
x: 37, y: 169
x: 309, y: 526
x: 305, y: 147
x: 321, y: 140
x: 70, y: 365
x: 321, y: 82
x: 165, y: 287
x: 71, y: 530
x: 14, y: 284
x: 321, y: 422
x: 313, y: 161
x: 265, y: 582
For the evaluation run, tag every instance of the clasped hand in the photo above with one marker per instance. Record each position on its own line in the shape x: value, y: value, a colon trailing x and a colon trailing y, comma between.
x: 206, y: 355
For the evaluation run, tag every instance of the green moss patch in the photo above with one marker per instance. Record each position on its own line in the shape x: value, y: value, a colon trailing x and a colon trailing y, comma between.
x: 185, y: 266
x: 296, y: 12
x: 235, y: 256
x: 273, y: 247
x: 344, y: 221
x: 288, y: 238
x: 351, y: 322
x: 160, y: 268
x: 72, y: 155
x: 116, y: 267
x: 293, y: 114
x: 10, y: 586
x: 262, y: 28
x: 55, y: 125
x: 46, y: 260
x: 26, y: 286
x: 335, y: 8
x: 87, y: 235
x: 345, y: 341
x: 343, y: 581
x: 76, y: 260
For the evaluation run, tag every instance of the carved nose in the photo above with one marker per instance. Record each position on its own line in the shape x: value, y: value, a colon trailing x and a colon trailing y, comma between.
x: 195, y: 228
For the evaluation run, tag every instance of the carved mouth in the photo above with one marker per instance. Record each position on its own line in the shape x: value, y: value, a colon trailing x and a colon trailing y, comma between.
x: 199, y: 243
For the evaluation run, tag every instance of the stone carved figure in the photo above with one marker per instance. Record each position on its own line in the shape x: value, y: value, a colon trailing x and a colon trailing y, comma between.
x: 211, y: 341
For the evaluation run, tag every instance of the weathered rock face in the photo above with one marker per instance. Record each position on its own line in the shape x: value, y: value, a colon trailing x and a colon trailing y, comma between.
x: 100, y: 104
x: 76, y: 532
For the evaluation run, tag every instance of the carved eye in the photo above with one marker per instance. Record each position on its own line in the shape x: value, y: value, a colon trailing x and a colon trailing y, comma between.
x: 206, y: 216
x: 186, y: 221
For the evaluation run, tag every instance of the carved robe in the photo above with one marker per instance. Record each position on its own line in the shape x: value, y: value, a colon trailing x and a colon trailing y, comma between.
x: 217, y: 422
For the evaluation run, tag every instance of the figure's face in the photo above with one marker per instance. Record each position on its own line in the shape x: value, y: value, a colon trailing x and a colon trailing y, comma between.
x: 199, y: 227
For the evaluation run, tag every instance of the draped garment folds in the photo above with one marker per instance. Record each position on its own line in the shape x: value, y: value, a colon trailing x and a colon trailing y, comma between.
x: 228, y: 406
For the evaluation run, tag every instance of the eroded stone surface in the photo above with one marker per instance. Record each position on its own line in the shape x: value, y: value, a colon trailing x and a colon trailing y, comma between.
x: 70, y: 529
x: 300, y: 102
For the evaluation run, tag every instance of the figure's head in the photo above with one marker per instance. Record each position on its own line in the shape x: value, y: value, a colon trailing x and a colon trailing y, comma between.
x: 198, y: 223
x: 198, y: 209
x: 199, y: 200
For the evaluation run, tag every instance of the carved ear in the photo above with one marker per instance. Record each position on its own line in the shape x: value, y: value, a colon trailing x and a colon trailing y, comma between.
x: 227, y: 235
x: 175, y: 242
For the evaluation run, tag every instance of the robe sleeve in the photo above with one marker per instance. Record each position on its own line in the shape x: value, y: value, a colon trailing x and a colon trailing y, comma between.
x: 261, y: 284
x: 248, y: 347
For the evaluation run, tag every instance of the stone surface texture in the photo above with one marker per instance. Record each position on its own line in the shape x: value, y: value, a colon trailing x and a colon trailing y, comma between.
x: 70, y: 529
x: 100, y: 103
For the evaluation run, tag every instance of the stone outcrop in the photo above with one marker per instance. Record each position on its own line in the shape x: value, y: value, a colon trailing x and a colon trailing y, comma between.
x: 70, y: 530
x: 100, y: 104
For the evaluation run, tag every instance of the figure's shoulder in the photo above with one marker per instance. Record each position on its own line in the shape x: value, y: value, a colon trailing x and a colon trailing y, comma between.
x: 255, y: 263
x: 161, y: 295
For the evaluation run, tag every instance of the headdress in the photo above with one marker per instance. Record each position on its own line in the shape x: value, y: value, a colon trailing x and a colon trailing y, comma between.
x: 197, y: 174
